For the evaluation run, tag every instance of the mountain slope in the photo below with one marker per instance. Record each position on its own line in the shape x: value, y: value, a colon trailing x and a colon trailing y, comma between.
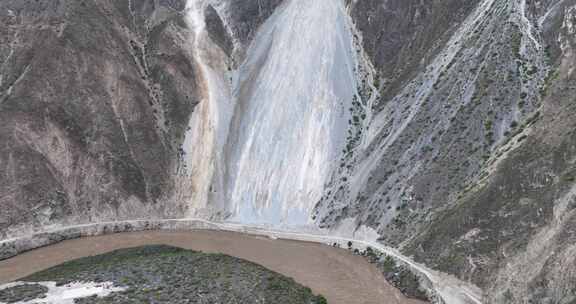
x: 443, y: 128
x: 94, y: 96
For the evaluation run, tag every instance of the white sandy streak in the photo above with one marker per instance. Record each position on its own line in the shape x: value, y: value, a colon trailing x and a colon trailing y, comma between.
x: 66, y: 294
x: 293, y: 93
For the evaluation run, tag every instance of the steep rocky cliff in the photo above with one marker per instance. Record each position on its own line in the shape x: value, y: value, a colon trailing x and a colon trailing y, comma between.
x: 95, y: 97
x: 445, y: 128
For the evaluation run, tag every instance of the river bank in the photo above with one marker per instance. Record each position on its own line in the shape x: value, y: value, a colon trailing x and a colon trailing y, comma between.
x: 335, y: 273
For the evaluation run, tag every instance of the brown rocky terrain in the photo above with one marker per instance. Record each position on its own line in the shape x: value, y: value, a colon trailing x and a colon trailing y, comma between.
x: 444, y: 127
x: 95, y: 98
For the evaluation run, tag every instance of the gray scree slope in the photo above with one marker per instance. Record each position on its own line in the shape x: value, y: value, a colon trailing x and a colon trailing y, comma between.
x: 455, y: 140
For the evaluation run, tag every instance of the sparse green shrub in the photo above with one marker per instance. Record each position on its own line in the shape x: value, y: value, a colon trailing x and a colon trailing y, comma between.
x: 320, y: 300
x: 389, y: 264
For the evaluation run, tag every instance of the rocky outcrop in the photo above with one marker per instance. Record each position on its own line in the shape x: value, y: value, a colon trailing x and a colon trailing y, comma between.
x: 402, y: 37
x: 245, y: 17
x: 462, y: 149
x: 217, y: 31
x: 512, y: 231
x: 95, y: 97
x: 469, y: 164
x: 443, y: 127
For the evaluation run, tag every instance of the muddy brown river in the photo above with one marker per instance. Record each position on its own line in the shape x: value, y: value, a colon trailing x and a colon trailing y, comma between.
x: 341, y: 277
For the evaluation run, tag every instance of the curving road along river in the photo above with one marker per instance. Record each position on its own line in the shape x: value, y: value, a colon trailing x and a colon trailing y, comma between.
x: 340, y: 276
